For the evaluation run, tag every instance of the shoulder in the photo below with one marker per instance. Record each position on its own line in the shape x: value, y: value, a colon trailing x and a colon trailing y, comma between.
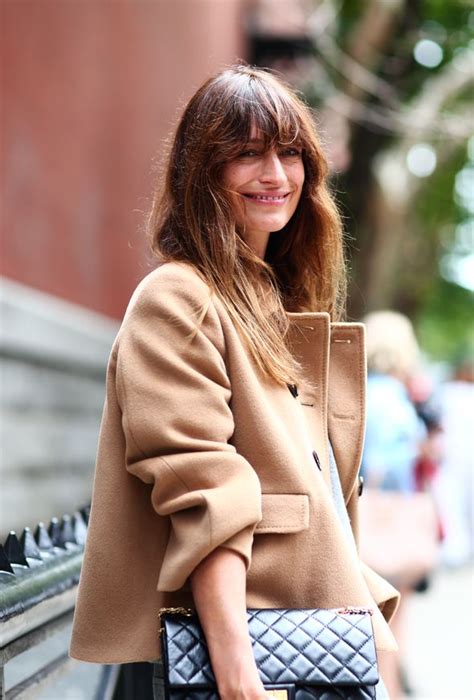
x: 173, y: 301
x: 170, y: 286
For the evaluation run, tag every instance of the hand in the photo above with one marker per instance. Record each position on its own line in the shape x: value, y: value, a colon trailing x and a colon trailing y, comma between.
x: 246, y: 694
x: 236, y: 674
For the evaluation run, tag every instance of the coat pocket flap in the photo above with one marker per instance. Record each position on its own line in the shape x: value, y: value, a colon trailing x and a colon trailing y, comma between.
x: 284, y: 512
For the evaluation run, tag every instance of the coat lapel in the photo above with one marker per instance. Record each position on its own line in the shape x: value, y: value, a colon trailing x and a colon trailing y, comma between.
x: 332, y: 356
x: 309, y: 339
x: 346, y: 399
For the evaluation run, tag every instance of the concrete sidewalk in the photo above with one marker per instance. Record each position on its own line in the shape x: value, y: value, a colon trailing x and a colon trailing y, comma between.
x: 440, y: 639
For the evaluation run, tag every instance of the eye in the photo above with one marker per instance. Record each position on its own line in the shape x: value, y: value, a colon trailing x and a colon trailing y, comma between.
x: 249, y: 153
x: 290, y: 152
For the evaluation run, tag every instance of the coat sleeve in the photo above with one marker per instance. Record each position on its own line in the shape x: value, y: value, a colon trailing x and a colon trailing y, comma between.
x: 174, y: 393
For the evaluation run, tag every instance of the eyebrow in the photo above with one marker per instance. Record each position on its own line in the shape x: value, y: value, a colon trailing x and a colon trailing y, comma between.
x: 261, y: 141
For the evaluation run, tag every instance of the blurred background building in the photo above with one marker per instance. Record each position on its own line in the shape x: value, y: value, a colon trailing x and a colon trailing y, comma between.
x: 91, y: 90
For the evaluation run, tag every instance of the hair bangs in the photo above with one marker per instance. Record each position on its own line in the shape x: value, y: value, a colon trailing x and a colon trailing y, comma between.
x: 274, y: 115
x: 259, y: 106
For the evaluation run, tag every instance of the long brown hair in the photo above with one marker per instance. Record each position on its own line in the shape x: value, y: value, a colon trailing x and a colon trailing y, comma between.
x: 193, y: 219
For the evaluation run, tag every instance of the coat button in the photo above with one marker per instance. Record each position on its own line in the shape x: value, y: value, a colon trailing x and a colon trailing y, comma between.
x: 316, y: 459
x: 293, y: 390
x: 361, y: 485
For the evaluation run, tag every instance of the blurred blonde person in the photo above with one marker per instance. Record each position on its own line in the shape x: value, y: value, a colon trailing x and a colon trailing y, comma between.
x: 394, y: 432
x: 394, y: 438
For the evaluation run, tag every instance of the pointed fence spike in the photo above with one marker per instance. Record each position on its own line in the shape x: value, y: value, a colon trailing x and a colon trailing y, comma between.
x: 80, y: 528
x: 28, y: 545
x: 14, y: 550
x: 54, y: 531
x: 67, y: 531
x: 42, y: 538
x: 5, y: 565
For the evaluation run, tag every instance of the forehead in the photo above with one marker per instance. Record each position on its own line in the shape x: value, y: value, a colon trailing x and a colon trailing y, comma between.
x: 255, y: 134
x: 260, y: 136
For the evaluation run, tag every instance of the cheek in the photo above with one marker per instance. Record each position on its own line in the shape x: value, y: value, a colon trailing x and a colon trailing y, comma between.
x: 234, y: 176
x: 296, y: 176
x: 300, y: 175
x: 230, y: 182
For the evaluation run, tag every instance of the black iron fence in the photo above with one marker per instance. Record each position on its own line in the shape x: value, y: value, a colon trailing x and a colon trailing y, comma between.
x: 39, y: 575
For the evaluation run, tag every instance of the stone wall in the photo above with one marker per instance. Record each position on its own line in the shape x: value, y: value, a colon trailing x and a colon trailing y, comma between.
x: 53, y: 356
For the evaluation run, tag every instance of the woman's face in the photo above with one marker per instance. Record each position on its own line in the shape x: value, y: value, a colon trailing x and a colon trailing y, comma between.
x: 268, y: 186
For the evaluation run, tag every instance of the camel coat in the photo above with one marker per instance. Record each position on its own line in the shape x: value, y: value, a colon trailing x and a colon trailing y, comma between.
x: 198, y: 450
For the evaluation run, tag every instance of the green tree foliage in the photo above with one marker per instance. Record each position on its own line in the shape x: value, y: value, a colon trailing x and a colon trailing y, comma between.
x: 403, y: 226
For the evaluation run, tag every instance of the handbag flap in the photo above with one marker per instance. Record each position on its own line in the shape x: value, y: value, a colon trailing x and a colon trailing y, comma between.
x: 302, y: 647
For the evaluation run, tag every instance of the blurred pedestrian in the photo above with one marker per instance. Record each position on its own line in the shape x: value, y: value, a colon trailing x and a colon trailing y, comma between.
x: 427, y: 464
x: 394, y: 431
x: 215, y: 486
x: 455, y: 486
x: 398, y: 526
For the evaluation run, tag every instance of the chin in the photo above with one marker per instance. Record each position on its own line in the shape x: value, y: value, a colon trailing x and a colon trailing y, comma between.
x: 271, y: 225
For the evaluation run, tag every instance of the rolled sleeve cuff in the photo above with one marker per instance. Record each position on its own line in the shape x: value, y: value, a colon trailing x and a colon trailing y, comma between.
x: 241, y: 543
x: 192, y: 539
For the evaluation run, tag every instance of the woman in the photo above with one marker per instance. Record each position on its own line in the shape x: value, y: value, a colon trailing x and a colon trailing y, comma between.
x: 217, y: 398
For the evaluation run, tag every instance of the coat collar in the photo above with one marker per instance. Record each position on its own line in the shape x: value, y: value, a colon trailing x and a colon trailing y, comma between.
x: 332, y: 356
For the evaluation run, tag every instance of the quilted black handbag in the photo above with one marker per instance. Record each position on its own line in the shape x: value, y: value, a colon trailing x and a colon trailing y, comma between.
x: 300, y: 654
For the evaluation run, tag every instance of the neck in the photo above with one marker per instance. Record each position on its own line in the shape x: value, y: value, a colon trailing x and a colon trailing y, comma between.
x: 258, y: 241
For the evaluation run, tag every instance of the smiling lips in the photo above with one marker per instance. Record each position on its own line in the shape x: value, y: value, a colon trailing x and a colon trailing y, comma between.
x: 267, y: 198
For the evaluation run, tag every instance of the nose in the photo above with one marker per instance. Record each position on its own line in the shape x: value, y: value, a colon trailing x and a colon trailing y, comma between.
x: 272, y: 171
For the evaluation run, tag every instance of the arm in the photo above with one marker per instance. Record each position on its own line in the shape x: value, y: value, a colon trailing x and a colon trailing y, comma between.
x: 218, y: 586
x: 174, y: 392
x: 175, y: 396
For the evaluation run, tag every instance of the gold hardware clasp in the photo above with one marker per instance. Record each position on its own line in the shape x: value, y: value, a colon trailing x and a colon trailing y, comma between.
x: 278, y: 693
x: 176, y: 611
x: 351, y: 610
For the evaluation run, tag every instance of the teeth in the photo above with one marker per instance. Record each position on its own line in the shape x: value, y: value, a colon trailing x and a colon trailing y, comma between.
x: 267, y: 198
